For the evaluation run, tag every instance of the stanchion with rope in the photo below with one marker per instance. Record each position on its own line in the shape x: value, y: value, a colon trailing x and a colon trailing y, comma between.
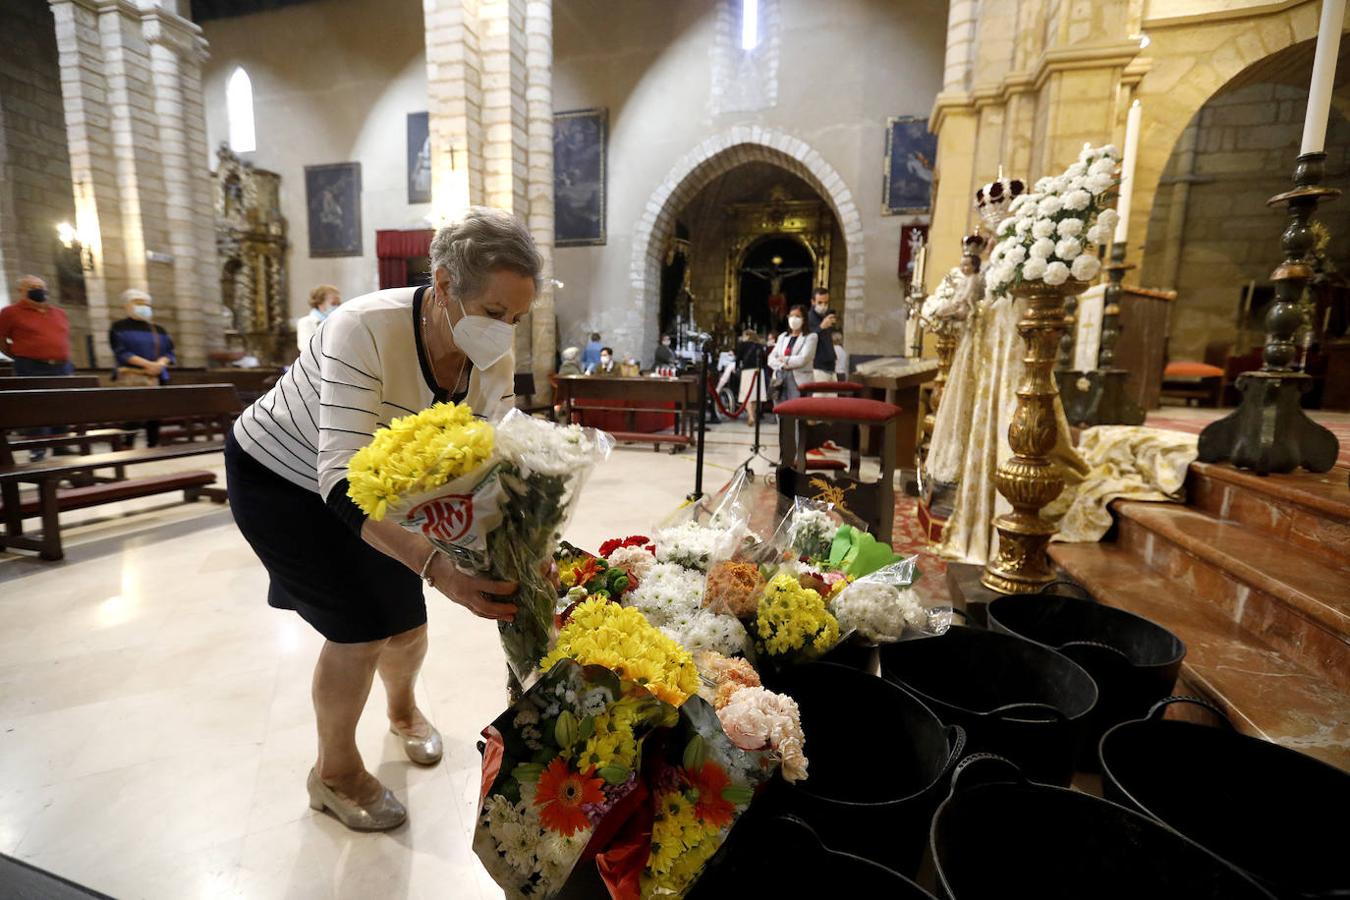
x: 754, y: 384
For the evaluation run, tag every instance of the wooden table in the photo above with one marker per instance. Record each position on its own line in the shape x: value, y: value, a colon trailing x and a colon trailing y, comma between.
x: 898, y: 380
x: 643, y: 407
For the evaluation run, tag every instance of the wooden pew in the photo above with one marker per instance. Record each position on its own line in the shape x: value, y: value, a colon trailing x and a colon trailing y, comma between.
x: 96, y: 406
x: 81, y: 438
x: 46, y: 382
x: 677, y: 397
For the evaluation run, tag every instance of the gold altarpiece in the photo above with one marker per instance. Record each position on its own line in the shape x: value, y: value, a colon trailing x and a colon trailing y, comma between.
x: 808, y: 221
x: 251, y: 247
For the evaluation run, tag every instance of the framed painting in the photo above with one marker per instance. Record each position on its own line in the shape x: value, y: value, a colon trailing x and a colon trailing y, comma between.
x: 912, y: 237
x: 333, y: 201
x: 907, y: 181
x: 579, y: 177
x: 419, y: 158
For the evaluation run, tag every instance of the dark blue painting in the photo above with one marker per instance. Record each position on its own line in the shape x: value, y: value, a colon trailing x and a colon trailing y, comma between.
x: 579, y: 177
x: 333, y: 199
x: 910, y: 154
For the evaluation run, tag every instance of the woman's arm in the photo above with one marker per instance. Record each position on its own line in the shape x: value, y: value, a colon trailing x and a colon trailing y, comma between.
x: 478, y: 595
x: 803, y: 352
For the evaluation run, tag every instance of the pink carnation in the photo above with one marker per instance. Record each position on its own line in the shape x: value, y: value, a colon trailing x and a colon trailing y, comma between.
x: 755, y: 719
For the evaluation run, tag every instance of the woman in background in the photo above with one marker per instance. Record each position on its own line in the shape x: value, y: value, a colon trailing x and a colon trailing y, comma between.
x: 144, y: 350
x: 322, y: 300
x: 794, y: 352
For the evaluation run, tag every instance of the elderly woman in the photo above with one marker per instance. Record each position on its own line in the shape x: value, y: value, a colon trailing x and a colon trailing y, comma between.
x: 356, y: 581
x: 323, y: 299
x: 143, y: 349
x: 793, y: 354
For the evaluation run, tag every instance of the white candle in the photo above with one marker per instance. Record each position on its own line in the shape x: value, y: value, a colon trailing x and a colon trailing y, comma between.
x: 1127, y: 170
x: 1324, y: 72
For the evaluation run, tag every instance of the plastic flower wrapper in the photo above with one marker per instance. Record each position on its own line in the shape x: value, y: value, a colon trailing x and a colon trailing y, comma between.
x: 561, y: 774
x: 808, y: 529
x: 701, y: 531
x: 494, y: 499
x: 702, y: 783
x: 882, y: 607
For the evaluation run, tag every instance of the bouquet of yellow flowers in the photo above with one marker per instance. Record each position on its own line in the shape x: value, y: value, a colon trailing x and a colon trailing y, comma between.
x: 494, y: 498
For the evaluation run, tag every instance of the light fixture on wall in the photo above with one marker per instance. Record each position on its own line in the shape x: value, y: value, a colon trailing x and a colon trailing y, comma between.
x: 70, y: 238
x: 1144, y: 41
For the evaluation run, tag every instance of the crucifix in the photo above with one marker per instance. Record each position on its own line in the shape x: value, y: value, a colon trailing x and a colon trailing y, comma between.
x: 774, y: 273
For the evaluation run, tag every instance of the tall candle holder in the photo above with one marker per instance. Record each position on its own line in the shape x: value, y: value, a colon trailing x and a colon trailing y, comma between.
x: 1269, y: 432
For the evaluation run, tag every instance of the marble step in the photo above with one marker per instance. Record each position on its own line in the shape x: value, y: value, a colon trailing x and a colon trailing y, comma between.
x: 1309, y: 511
x: 1295, y: 600
x: 1263, y: 691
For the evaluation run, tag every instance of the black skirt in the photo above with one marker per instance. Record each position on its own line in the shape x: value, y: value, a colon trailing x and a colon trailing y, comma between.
x: 349, y: 591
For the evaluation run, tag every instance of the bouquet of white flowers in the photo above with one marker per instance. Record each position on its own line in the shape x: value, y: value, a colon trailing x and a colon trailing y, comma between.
x: 1052, y: 233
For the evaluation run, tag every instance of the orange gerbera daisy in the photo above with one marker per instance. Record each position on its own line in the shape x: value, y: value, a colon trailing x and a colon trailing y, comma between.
x: 711, y: 806
x: 561, y: 794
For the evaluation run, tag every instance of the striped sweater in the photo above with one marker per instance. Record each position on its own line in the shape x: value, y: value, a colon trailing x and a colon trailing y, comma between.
x: 363, y: 367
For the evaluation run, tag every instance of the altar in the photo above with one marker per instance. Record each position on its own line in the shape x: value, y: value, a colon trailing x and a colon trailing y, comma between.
x: 898, y: 380
x: 633, y: 409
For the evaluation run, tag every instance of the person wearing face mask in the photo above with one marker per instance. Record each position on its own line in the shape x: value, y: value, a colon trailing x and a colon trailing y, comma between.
x: 792, y: 356
x: 359, y: 582
x: 606, y: 365
x: 142, y: 348
x: 36, y: 335
x: 823, y: 323
x: 322, y: 300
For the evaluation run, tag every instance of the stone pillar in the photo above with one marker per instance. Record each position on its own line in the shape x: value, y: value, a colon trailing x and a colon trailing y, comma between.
x: 454, y: 104
x: 539, y: 137
x: 130, y: 79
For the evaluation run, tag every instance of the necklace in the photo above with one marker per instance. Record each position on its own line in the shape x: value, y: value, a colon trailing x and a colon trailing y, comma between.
x: 426, y: 342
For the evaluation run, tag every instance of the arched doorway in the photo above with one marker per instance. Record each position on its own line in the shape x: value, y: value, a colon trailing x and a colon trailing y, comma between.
x: 716, y: 157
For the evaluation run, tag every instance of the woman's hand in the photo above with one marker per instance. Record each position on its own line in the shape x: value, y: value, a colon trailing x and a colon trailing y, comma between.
x: 472, y: 592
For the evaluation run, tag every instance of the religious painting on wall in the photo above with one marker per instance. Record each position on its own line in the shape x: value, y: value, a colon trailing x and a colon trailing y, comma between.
x: 333, y: 199
x: 579, y: 177
x: 907, y: 182
x: 419, y: 158
x: 912, y: 237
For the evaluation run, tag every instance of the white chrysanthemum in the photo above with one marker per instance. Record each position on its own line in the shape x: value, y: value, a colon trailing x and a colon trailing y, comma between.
x: 1108, y: 220
x: 1016, y: 255
x: 1069, y: 228
x: 705, y: 629
x: 1076, y: 183
x: 1042, y: 228
x: 1077, y: 200
x: 669, y: 591
x: 538, y: 446
x: 1049, y: 206
x: 1086, y: 267
x: 1068, y: 249
x: 1056, y: 273
x: 1097, y: 235
x: 877, y: 611
x: 1043, y: 185
x: 1099, y: 184
x: 1110, y: 151
x: 1023, y: 225
x: 1103, y: 166
x: 689, y: 544
x: 1033, y: 268
x: 1042, y: 248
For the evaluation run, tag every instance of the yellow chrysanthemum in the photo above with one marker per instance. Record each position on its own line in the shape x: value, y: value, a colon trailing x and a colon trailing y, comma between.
x: 417, y: 453
x: 681, y: 844
x: 622, y: 640
x: 791, y: 617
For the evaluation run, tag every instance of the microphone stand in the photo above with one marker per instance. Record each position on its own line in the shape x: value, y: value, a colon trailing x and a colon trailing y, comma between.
x: 761, y: 384
x: 702, y: 418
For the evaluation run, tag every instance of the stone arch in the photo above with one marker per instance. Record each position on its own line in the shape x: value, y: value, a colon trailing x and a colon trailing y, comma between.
x: 1189, y: 63
x: 716, y: 156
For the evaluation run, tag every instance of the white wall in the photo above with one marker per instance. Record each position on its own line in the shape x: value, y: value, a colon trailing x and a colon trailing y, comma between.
x: 846, y: 65
x: 333, y: 81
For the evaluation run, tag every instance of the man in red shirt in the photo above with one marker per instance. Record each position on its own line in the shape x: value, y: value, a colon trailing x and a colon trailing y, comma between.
x: 37, y: 336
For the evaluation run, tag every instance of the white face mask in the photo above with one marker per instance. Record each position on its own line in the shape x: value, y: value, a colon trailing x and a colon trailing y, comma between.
x: 484, y: 340
x: 794, y: 322
x: 142, y: 311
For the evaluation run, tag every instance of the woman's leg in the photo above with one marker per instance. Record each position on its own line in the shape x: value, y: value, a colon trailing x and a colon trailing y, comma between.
x: 342, y: 681
x: 399, y: 663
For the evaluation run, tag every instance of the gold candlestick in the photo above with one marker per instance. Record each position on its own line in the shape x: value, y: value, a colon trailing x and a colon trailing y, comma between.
x: 1030, y: 479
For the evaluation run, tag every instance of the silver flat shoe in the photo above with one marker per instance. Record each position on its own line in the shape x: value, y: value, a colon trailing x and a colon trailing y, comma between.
x: 423, y: 751
x: 382, y: 815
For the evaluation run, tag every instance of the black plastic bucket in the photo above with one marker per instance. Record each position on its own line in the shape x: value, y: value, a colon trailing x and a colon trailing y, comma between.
x: 1012, y: 696
x: 999, y: 836
x: 879, y: 761
x: 1134, y: 662
x: 782, y: 856
x: 855, y: 654
x: 1251, y: 802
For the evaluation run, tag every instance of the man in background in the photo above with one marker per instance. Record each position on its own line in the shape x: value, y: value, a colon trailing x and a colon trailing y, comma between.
x: 664, y: 355
x: 607, y: 365
x: 590, y: 357
x: 36, y: 335
x: 823, y: 322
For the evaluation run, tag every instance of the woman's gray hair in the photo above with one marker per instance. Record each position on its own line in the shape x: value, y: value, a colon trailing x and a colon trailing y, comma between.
x: 484, y: 241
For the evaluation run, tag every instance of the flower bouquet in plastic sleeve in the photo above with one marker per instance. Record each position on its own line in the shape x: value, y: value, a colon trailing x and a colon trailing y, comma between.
x: 494, y: 498
x: 882, y: 606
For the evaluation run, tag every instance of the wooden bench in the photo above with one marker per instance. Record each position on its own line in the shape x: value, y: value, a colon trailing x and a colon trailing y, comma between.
x: 675, y: 397
x: 82, y: 439
x: 96, y: 406
x: 46, y: 382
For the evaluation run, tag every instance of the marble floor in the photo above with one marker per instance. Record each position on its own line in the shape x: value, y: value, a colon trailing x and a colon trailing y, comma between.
x: 155, y: 726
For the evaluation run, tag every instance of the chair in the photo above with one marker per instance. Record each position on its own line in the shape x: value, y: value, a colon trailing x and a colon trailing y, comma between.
x: 1200, y: 381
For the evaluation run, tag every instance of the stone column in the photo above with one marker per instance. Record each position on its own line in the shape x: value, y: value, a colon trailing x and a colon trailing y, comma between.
x: 454, y: 104
x: 539, y: 131
x: 176, y: 51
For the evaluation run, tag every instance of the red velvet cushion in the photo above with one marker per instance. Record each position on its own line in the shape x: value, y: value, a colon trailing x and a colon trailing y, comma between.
x: 1188, y: 369
x: 827, y: 387
x: 851, y: 408
x: 825, y: 465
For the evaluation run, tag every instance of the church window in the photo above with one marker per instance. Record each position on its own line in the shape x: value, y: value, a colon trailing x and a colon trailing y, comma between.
x: 749, y: 24
x: 239, y: 110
